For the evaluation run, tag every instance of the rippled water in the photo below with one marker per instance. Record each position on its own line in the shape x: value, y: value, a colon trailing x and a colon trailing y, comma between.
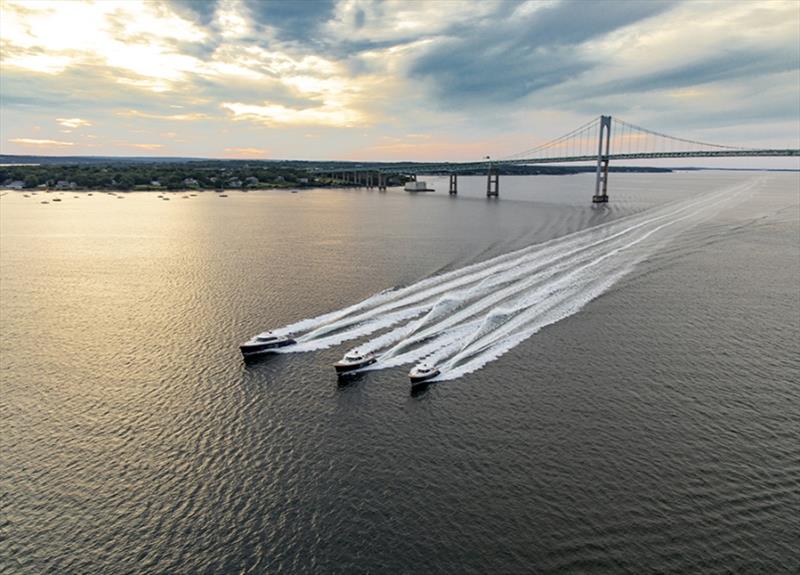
x: 657, y: 429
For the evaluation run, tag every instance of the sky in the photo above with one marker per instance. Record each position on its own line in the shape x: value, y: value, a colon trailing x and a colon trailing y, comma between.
x: 388, y: 80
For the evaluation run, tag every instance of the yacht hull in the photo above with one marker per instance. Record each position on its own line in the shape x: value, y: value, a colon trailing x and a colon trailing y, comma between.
x: 248, y: 349
x: 345, y: 368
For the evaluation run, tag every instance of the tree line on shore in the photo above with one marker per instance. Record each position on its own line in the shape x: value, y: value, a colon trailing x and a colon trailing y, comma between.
x: 226, y: 174
x: 169, y: 176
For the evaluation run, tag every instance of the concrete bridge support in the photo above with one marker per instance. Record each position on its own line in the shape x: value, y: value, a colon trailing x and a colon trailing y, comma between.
x: 493, y: 183
x: 381, y: 182
x: 453, y: 184
x: 601, y: 183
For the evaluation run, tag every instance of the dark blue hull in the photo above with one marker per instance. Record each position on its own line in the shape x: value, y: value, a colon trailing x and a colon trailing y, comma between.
x: 350, y: 367
x: 254, y: 348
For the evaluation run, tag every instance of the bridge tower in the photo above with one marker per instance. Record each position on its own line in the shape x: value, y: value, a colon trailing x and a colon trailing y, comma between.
x: 601, y: 184
x: 453, y: 184
x: 493, y: 182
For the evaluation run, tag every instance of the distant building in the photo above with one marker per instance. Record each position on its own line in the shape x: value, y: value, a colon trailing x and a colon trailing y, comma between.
x: 155, y: 184
x: 189, y: 182
x: 65, y: 185
x: 15, y: 185
x: 302, y: 180
x: 252, y: 181
x: 234, y: 183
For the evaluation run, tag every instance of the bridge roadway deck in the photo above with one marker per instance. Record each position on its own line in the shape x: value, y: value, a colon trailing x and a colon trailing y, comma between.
x: 456, y: 167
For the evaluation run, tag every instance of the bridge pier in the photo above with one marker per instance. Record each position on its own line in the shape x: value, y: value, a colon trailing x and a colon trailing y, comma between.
x: 453, y: 184
x: 381, y: 182
x: 493, y: 183
x: 601, y: 182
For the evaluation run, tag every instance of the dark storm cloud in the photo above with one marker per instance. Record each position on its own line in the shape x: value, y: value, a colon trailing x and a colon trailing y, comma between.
x: 293, y: 20
x: 502, y: 59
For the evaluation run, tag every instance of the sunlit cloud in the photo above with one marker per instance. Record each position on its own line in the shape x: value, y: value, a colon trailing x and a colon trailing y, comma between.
x: 276, y: 114
x: 73, y: 122
x: 147, y: 146
x: 231, y: 18
x: 134, y: 37
x: 43, y: 63
x: 245, y: 152
x: 191, y: 117
x: 38, y: 142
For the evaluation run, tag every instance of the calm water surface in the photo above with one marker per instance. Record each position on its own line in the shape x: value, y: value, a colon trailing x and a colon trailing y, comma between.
x: 655, y: 431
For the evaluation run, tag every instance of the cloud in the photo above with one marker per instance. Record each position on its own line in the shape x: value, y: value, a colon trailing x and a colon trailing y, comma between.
x: 276, y: 114
x: 73, y: 122
x: 200, y: 11
x: 146, y: 146
x: 245, y: 152
x: 512, y: 54
x: 190, y: 117
x: 292, y: 20
x: 37, y: 142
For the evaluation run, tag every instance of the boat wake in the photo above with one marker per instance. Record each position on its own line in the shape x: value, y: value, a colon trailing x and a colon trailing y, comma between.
x: 461, y: 320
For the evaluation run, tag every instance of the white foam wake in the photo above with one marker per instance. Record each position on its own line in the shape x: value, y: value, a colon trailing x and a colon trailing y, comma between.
x: 465, y: 318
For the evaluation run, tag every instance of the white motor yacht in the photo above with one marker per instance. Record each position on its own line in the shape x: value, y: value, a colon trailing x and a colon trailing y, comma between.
x: 354, y: 360
x: 422, y: 373
x: 265, y: 343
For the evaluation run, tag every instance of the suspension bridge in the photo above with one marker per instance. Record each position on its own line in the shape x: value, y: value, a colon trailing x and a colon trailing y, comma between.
x: 594, y: 141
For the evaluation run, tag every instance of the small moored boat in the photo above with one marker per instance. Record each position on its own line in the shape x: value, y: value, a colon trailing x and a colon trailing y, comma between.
x: 265, y: 343
x: 352, y: 361
x: 422, y: 373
